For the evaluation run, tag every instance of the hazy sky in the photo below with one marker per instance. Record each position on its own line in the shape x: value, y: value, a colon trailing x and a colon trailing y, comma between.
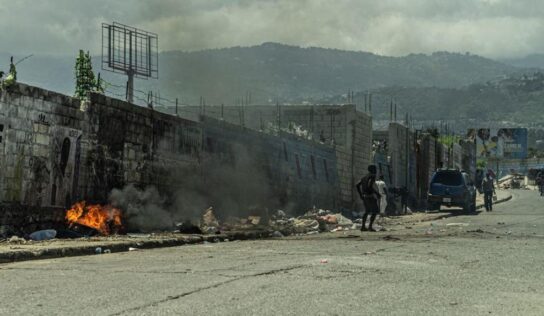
x: 493, y: 28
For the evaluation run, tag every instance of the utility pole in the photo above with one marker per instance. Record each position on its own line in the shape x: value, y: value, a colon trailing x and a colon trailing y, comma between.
x: 391, y: 110
x: 407, y: 158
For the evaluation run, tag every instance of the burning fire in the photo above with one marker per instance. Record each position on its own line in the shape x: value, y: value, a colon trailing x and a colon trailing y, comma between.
x: 102, y: 218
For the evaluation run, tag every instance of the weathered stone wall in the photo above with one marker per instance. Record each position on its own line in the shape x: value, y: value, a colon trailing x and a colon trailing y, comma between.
x: 401, y: 149
x: 55, y: 150
x: 343, y: 127
x: 426, y: 166
x: 300, y: 174
x: 127, y: 144
x: 40, y: 136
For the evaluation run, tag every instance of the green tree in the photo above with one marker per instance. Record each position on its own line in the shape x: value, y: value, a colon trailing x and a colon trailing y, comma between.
x: 85, y: 79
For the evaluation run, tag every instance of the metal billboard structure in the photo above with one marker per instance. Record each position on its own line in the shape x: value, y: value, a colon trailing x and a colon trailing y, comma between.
x: 131, y: 51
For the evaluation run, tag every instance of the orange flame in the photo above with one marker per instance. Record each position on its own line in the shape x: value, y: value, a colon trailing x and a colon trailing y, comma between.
x: 101, y: 218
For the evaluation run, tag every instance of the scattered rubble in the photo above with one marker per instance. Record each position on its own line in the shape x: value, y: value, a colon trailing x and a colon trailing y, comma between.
x: 188, y: 228
x: 209, y: 223
x: 278, y: 223
x: 389, y: 237
x: 513, y: 181
x: 16, y: 240
x: 457, y: 224
x: 43, y: 235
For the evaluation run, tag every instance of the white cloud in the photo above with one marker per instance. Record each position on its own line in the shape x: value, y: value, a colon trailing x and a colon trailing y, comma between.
x: 495, y: 28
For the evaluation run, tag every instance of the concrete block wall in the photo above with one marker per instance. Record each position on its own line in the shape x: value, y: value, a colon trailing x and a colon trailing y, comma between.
x: 56, y: 150
x: 301, y: 174
x: 37, y: 163
x: 340, y: 126
x: 129, y: 144
x: 401, y: 149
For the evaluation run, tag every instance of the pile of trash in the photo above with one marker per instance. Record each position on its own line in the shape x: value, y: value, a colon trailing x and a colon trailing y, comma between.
x: 279, y: 223
x: 512, y: 181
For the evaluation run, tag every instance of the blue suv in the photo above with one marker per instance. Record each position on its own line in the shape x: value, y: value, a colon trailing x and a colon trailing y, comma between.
x: 451, y: 188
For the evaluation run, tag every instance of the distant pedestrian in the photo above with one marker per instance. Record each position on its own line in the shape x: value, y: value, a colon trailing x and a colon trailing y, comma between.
x: 404, y: 199
x: 368, y: 191
x: 382, y: 189
x: 489, y: 190
x: 540, y: 182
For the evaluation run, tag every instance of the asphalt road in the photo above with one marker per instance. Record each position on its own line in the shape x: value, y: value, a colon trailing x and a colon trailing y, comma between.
x: 489, y: 263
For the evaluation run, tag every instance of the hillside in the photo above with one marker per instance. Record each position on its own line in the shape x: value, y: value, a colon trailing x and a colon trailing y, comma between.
x: 518, y: 99
x: 530, y: 61
x: 273, y: 71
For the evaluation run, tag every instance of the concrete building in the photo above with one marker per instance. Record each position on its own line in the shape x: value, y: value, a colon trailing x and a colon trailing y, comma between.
x: 414, y: 155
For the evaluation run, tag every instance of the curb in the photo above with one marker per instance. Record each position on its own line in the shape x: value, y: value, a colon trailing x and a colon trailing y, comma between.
x: 499, y: 201
x: 51, y: 253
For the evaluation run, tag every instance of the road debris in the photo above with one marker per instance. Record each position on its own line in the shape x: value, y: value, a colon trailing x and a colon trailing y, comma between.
x: 40, y: 235
x: 16, y: 240
x: 457, y: 224
x: 209, y: 222
x: 389, y: 237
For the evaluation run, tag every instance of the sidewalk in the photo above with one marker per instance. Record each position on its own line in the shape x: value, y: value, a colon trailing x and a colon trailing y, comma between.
x: 502, y: 196
x: 21, y: 250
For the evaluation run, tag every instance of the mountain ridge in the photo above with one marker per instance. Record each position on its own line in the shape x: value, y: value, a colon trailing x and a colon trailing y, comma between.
x: 273, y: 72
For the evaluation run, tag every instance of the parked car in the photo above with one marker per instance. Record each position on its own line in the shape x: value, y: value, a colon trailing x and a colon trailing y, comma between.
x: 451, y: 188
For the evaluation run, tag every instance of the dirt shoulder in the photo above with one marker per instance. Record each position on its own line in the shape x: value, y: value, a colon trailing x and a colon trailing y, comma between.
x: 18, y: 249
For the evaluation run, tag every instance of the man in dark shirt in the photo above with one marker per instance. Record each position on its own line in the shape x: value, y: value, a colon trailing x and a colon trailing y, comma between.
x: 540, y: 182
x: 489, y: 189
x: 368, y: 192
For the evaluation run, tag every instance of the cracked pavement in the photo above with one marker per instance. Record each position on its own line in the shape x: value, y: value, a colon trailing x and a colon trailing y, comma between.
x: 489, y: 263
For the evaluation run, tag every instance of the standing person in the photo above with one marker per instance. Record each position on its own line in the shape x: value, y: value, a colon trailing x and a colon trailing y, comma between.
x: 404, y: 199
x: 489, y: 189
x: 540, y: 182
x: 382, y: 190
x: 368, y: 191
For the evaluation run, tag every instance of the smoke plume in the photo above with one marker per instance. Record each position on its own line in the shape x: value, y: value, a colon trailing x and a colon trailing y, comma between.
x: 234, y: 185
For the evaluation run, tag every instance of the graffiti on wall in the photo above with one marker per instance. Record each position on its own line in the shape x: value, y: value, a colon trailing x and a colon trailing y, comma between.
x: 65, y: 151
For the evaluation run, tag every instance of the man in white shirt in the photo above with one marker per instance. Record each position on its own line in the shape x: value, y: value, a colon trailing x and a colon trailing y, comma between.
x: 382, y: 189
